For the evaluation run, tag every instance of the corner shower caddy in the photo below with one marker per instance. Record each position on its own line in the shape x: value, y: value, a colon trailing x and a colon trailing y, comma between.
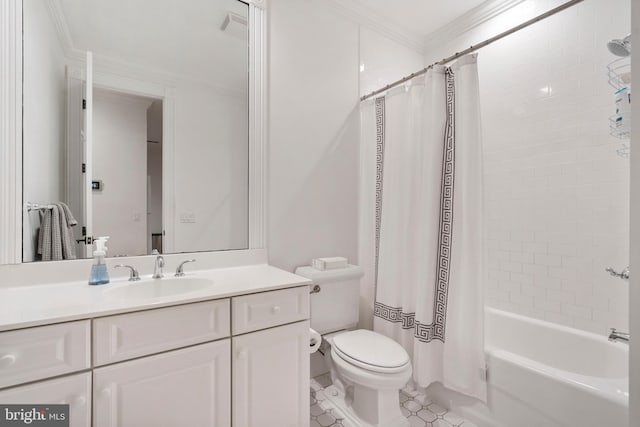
x: 619, y: 75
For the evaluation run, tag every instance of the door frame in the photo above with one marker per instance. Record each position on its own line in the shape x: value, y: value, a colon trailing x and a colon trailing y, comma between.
x: 130, y: 86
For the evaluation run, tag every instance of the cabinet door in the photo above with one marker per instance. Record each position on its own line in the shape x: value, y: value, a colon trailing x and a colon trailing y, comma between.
x: 74, y: 390
x: 271, y: 377
x: 188, y: 387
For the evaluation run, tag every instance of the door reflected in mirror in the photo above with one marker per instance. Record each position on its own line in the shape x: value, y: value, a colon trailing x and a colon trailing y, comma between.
x: 145, y: 139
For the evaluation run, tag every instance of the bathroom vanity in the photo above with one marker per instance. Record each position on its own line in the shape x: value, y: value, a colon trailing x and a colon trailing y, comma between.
x: 230, y: 351
x: 223, y: 346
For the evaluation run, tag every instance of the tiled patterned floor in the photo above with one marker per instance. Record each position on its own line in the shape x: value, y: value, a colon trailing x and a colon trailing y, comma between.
x: 417, y: 407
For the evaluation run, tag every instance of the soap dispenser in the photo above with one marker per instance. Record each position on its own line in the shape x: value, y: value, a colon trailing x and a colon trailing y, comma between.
x: 99, y: 274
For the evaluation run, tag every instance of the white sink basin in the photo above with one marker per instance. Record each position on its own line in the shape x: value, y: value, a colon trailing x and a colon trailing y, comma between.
x: 159, y: 288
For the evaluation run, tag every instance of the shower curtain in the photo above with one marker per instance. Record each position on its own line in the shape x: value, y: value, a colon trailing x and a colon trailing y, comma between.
x: 428, y: 224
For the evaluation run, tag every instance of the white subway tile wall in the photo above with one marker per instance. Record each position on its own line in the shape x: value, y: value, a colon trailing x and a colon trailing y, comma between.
x: 557, y: 193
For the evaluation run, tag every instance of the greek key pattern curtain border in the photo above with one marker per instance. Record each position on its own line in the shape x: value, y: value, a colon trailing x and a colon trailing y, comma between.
x: 435, y: 329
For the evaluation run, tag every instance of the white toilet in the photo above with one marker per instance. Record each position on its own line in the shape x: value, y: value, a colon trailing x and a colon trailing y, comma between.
x: 367, y: 368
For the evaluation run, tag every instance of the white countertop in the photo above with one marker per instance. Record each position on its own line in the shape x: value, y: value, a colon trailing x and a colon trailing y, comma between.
x: 26, y: 306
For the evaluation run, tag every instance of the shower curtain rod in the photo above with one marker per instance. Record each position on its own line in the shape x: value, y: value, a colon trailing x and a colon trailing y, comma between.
x: 475, y: 47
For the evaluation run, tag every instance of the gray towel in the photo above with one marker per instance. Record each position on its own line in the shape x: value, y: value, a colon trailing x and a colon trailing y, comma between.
x: 71, y: 221
x: 66, y: 236
x: 55, y: 240
x: 44, y: 236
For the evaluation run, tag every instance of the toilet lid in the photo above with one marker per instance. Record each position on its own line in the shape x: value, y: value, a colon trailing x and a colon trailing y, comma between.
x: 370, y: 350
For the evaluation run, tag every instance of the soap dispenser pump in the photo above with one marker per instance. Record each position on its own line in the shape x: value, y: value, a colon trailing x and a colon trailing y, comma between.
x: 99, y: 274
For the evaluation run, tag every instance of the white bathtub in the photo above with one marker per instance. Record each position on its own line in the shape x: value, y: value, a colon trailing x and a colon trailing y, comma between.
x: 545, y: 375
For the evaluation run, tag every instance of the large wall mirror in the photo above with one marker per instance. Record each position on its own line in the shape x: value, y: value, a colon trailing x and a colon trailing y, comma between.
x: 136, y: 126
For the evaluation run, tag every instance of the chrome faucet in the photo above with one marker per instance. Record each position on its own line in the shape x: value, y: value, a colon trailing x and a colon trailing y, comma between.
x: 180, y: 269
x: 615, y: 336
x: 157, y: 268
x: 133, y: 273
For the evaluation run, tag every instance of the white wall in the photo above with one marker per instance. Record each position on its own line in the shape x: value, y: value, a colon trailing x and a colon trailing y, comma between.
x: 314, y: 149
x: 44, y: 119
x: 383, y: 61
x: 211, y: 169
x: 119, y: 160
x: 557, y: 195
x: 313, y: 134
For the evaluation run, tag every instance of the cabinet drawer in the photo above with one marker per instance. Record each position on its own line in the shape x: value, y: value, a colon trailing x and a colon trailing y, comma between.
x: 37, y: 353
x: 74, y: 390
x: 267, y: 309
x: 130, y: 335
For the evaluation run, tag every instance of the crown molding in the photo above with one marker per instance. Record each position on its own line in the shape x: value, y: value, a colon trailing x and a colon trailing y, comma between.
x: 355, y: 12
x: 468, y: 21
x: 62, y: 29
x: 478, y: 15
x: 117, y: 67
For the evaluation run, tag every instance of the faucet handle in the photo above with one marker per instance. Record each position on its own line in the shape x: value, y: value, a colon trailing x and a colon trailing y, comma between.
x: 179, y: 270
x: 133, y: 273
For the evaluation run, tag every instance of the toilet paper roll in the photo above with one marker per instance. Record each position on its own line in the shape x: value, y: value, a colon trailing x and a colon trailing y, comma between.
x: 314, y: 341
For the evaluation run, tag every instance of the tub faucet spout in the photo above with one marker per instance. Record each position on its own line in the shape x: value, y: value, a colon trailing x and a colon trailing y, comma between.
x: 615, y: 336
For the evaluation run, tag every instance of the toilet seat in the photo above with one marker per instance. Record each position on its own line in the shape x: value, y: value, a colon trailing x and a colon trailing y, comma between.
x: 371, y: 351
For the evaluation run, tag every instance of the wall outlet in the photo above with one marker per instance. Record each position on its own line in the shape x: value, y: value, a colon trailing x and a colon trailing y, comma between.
x: 187, y: 218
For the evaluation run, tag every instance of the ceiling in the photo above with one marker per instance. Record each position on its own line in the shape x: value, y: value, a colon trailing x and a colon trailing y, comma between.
x: 183, y: 38
x: 420, y: 17
x: 420, y: 23
x: 180, y: 38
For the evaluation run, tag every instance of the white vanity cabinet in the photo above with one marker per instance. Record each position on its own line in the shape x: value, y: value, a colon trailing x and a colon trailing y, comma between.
x: 240, y: 361
x: 35, y: 354
x: 188, y: 387
x: 271, y: 366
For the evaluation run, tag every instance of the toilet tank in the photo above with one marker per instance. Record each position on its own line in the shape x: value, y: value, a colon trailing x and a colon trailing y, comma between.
x: 336, y: 306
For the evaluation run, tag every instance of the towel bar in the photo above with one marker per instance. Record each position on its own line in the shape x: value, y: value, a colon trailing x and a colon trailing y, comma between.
x: 29, y: 206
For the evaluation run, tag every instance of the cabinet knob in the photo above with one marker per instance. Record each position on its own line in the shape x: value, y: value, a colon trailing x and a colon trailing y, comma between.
x: 242, y: 354
x: 80, y: 400
x: 7, y: 360
x: 275, y: 309
x: 106, y: 392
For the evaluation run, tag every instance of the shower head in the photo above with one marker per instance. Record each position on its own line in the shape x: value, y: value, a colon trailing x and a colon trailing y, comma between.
x: 620, y: 47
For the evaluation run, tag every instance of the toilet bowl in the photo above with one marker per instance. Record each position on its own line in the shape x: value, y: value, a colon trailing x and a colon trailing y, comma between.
x: 369, y: 369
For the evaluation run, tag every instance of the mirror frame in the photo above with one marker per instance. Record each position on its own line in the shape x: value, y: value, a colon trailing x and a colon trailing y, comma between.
x: 11, y: 208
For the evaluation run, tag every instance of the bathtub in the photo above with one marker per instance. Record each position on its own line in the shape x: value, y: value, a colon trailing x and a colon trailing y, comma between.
x: 544, y: 375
